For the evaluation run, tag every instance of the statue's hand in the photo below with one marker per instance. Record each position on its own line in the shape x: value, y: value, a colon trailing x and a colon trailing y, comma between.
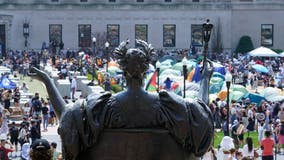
x: 37, y: 74
x: 207, y: 69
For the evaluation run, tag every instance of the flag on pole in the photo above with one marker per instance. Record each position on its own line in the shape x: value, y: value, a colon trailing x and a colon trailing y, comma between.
x: 152, y: 83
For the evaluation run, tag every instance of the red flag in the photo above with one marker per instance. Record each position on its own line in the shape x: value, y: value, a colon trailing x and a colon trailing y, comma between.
x: 152, y: 84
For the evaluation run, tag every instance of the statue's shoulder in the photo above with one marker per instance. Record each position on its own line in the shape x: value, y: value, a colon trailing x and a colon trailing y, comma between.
x: 94, y: 100
x: 170, y: 97
x: 97, y: 98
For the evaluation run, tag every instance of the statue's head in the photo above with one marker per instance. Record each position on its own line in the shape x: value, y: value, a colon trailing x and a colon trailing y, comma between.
x: 134, y: 61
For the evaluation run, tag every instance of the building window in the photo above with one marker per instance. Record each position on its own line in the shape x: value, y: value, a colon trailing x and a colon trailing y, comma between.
x: 83, y: 0
x: 196, y: 35
x: 113, y: 34
x: 169, y: 35
x: 84, y: 33
x: 168, y: 0
x: 111, y: 0
x: 139, y: 0
x: 195, y: 0
x: 55, y: 33
x: 141, y: 32
x: 267, y: 35
x: 54, y: 0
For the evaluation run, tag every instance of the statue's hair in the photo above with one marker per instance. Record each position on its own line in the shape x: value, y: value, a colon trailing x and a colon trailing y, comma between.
x: 140, y: 55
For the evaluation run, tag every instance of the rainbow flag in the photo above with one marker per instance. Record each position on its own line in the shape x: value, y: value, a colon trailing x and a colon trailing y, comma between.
x: 152, y: 83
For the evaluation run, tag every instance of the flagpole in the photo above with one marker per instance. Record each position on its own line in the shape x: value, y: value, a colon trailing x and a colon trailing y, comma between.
x: 158, y: 65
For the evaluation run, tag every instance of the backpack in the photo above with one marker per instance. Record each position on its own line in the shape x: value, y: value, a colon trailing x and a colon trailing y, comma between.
x: 37, y: 105
x: 2, y: 154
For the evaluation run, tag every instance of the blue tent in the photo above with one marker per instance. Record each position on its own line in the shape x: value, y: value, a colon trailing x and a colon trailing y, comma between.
x: 215, y: 87
x: 7, y: 83
x: 254, y: 98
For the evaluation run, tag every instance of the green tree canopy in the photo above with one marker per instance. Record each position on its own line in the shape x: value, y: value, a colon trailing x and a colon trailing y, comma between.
x: 245, y: 45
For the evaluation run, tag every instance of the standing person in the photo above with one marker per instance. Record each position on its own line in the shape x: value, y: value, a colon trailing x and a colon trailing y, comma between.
x: 267, y: 145
x: 36, y: 106
x: 24, y: 88
x: 73, y: 87
x: 280, y: 136
x: 107, y: 84
x: 4, y: 151
x: 14, y: 133
x: 4, y: 126
x: 168, y: 84
x: 45, y: 116
x: 34, y: 131
x: 52, y: 113
x: 248, y: 149
x: 7, y: 95
x: 26, y: 66
x: 235, y: 134
x: 260, y: 130
x: 23, y: 135
x: 17, y: 97
x: 240, y: 133
x: 26, y: 109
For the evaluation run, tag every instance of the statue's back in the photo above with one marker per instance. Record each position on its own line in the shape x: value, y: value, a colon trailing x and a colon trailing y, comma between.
x: 135, y: 144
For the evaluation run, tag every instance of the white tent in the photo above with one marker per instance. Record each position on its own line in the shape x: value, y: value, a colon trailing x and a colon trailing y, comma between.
x: 263, y: 52
x: 281, y: 54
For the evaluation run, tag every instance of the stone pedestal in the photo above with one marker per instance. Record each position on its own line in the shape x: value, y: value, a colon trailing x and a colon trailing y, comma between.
x: 26, y: 95
x: 79, y: 82
x: 4, y: 70
x: 23, y: 101
x: 63, y: 87
x: 55, y: 77
x: 84, y: 86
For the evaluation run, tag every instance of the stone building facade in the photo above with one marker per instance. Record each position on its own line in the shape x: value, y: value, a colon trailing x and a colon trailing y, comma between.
x: 163, y: 23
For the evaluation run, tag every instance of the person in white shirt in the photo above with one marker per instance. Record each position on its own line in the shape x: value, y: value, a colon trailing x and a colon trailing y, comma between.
x: 24, y: 88
x: 73, y: 87
x: 248, y: 149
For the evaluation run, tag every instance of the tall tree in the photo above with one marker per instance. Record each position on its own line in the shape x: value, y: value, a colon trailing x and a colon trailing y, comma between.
x: 245, y: 45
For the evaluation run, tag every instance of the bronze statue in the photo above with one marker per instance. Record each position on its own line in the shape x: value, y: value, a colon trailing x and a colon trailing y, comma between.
x: 133, y: 124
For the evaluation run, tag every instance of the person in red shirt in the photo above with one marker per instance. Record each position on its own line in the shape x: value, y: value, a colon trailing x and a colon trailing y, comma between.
x: 4, y: 151
x: 267, y: 145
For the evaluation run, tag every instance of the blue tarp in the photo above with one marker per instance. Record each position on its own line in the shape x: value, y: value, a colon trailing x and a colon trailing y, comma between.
x: 7, y: 83
x: 216, y: 68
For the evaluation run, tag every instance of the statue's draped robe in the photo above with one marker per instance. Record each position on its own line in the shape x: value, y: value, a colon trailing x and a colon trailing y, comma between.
x: 189, y: 122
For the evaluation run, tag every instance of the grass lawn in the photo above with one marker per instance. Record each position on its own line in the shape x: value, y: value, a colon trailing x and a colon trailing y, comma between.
x: 219, y: 135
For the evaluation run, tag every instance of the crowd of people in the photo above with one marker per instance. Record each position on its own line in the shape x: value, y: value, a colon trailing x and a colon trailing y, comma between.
x: 37, y: 115
x: 266, y: 118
